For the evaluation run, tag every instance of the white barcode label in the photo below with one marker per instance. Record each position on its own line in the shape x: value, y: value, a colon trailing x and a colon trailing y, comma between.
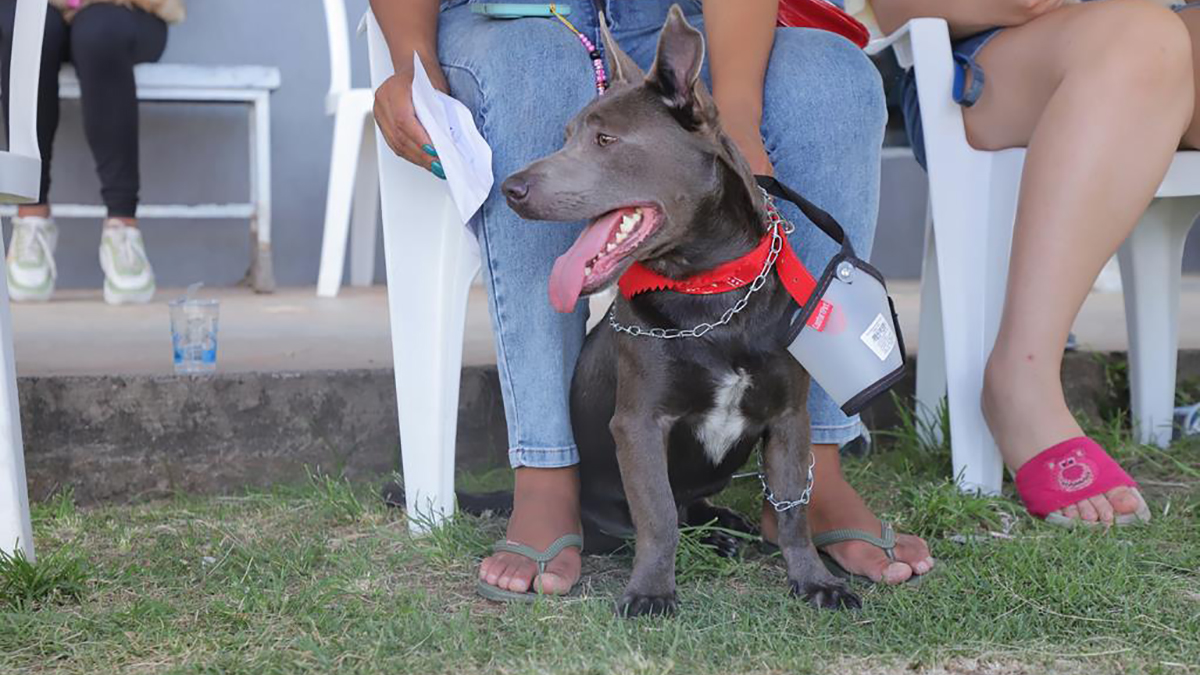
x: 880, y: 337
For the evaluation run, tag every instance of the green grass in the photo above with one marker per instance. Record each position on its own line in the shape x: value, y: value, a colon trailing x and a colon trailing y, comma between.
x: 322, y: 577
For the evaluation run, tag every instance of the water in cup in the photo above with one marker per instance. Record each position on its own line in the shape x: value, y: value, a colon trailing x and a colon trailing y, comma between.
x: 194, y: 334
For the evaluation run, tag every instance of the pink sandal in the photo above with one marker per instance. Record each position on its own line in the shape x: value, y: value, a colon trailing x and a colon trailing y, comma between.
x: 1070, y: 472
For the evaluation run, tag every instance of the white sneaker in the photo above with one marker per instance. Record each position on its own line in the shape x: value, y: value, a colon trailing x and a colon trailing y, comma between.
x: 128, y: 277
x: 30, y: 262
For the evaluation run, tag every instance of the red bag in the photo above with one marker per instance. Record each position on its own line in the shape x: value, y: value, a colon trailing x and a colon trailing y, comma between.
x: 822, y: 15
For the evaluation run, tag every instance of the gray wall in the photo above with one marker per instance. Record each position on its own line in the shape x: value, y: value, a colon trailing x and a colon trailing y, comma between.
x: 196, y: 154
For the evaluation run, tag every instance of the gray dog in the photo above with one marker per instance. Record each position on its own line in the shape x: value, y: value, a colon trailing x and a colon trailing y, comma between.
x: 662, y: 424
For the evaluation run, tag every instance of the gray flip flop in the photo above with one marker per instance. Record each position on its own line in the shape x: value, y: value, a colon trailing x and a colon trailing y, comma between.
x: 540, y: 557
x: 886, y: 542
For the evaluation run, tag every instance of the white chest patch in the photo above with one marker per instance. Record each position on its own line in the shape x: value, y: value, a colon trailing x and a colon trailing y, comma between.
x: 722, y: 426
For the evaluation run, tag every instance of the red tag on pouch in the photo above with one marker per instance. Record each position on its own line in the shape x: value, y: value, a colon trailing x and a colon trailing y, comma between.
x: 820, y: 316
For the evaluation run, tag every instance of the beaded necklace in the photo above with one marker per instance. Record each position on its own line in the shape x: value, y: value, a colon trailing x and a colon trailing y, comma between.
x: 597, y: 62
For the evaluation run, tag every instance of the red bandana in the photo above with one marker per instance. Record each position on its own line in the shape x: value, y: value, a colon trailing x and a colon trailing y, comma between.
x: 726, y: 277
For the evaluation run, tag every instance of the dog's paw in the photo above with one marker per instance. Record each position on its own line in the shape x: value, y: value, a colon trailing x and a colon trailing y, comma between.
x: 723, y: 543
x: 826, y: 594
x: 633, y: 605
x: 732, y: 520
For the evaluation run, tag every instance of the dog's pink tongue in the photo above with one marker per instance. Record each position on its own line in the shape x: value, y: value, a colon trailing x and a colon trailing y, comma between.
x: 566, y: 280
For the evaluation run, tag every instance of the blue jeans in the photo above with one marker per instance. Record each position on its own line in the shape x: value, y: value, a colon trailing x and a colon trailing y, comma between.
x: 823, y: 122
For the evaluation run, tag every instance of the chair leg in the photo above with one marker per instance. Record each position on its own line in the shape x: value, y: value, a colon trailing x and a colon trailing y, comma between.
x: 363, y: 224
x: 344, y: 165
x: 971, y: 268
x: 931, y: 362
x: 1151, y: 260
x: 431, y: 260
x: 262, y: 270
x: 16, y: 533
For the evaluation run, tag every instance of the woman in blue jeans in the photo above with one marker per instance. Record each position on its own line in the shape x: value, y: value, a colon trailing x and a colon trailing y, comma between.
x: 802, y: 104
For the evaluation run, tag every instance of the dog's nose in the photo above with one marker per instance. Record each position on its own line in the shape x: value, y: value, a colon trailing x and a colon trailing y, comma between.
x: 515, y: 189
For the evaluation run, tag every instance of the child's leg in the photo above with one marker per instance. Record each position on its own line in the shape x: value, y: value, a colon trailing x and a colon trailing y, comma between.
x: 1191, y: 20
x: 106, y: 42
x: 1100, y: 94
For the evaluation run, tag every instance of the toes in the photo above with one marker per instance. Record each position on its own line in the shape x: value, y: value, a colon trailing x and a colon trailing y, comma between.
x: 508, y: 572
x: 520, y: 580
x: 1104, y: 509
x: 1087, y: 512
x: 869, y: 561
x: 496, y: 566
x: 911, y: 549
x: 896, y: 573
x: 923, y: 566
x: 1071, y: 512
x: 1124, y: 500
x: 549, y: 583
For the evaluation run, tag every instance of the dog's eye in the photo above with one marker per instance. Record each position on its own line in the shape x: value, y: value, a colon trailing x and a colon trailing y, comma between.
x: 603, y: 140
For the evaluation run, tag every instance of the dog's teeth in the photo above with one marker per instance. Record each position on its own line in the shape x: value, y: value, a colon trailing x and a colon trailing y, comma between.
x: 587, y: 271
x: 637, y: 216
x: 627, y: 224
x: 621, y: 236
x: 611, y: 247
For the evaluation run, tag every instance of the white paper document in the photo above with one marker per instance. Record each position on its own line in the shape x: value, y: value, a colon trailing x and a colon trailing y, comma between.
x: 465, y: 156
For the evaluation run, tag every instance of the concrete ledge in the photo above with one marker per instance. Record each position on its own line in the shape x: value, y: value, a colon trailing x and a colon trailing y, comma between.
x: 121, y: 438
x: 125, y: 438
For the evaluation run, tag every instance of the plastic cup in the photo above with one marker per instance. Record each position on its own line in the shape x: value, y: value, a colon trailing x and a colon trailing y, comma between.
x: 194, y: 335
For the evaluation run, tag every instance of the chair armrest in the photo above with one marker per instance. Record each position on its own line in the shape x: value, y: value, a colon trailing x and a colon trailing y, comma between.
x: 902, y: 40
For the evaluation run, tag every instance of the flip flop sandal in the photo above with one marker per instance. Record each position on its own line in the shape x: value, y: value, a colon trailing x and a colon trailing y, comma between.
x: 1070, y: 472
x: 540, y: 557
x: 885, y: 542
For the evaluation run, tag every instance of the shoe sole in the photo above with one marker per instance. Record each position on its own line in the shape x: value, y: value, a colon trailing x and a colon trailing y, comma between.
x: 19, y: 293
x: 141, y: 296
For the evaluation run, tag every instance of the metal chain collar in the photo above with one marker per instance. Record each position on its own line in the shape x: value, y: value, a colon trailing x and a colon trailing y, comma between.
x: 783, y: 505
x: 778, y: 224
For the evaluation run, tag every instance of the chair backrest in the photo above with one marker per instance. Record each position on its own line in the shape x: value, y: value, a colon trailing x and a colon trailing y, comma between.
x: 339, y: 52
x: 20, y: 167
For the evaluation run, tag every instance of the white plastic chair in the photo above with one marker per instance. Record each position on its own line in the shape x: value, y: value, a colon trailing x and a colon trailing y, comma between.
x: 353, y: 181
x: 431, y: 260
x: 973, y: 199
x: 20, y: 180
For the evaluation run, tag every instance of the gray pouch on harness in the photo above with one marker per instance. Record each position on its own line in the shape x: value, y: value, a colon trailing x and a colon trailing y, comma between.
x: 847, y: 335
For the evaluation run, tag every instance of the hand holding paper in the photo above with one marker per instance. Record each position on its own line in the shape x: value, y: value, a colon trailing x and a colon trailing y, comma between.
x: 465, y: 156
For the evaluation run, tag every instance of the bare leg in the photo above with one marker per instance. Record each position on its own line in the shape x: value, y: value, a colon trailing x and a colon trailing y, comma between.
x: 545, y: 507
x: 1191, y: 20
x: 34, y: 211
x: 1100, y: 94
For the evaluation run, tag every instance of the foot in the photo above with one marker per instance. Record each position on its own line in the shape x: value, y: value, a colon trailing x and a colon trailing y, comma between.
x: 128, y: 276
x: 835, y: 506
x: 1027, y: 413
x: 30, y: 263
x: 545, y: 507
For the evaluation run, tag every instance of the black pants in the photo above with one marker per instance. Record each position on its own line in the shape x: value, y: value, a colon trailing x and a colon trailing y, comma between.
x: 103, y: 41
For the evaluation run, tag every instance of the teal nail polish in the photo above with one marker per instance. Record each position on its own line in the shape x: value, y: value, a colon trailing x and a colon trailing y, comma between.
x: 429, y: 150
x: 436, y: 168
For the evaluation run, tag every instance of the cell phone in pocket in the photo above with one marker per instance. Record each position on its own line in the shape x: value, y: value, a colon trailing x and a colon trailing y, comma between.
x: 516, y: 10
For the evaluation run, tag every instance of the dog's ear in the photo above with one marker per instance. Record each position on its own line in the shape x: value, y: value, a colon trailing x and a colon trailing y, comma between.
x: 621, y: 68
x: 676, y: 71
